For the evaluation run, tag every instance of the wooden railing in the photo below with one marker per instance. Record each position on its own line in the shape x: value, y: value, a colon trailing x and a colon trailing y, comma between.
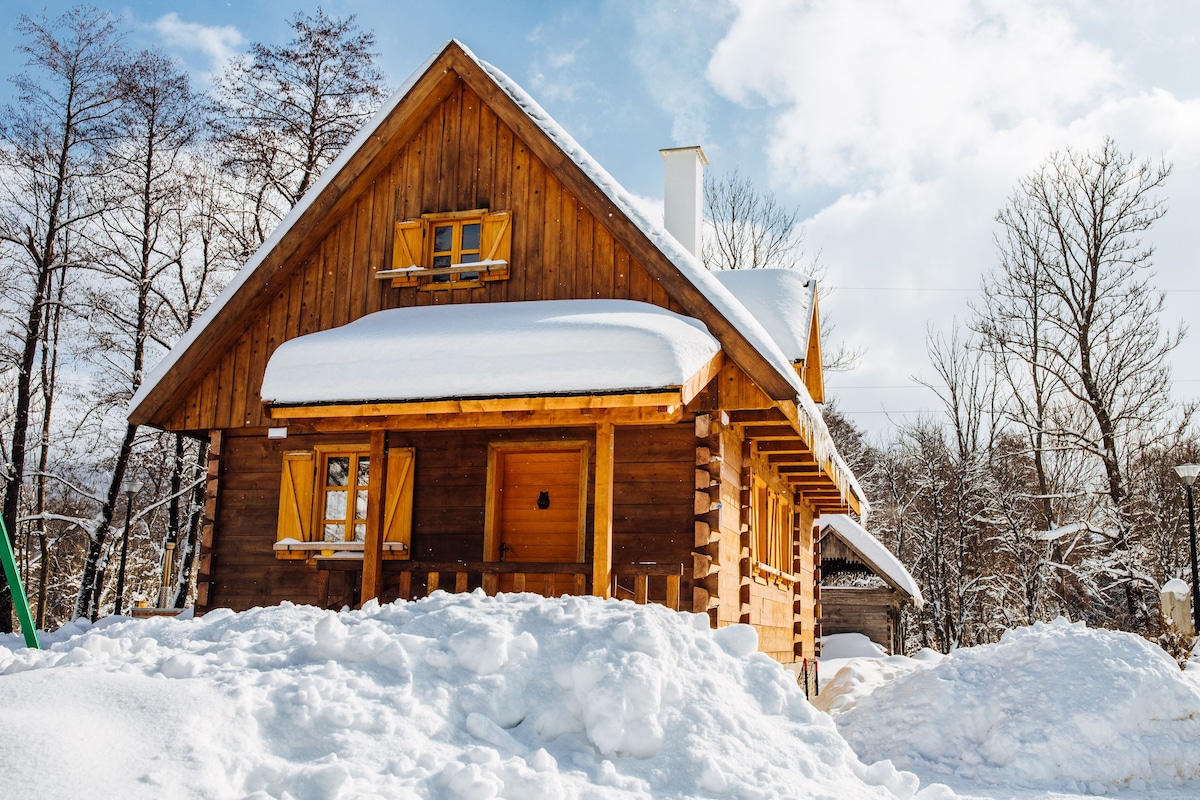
x: 642, y: 583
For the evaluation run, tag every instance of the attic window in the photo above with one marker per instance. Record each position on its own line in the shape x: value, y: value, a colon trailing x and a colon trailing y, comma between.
x: 453, y: 250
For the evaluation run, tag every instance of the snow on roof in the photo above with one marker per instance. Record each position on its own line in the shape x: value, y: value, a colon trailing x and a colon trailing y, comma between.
x: 780, y: 299
x: 491, y: 350
x: 877, y: 556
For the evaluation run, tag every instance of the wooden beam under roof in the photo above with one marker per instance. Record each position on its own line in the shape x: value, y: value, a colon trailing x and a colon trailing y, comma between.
x: 784, y: 446
x: 781, y: 430
x: 641, y: 415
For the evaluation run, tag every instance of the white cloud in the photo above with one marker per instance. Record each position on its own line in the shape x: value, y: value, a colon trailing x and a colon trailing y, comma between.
x: 217, y: 43
x: 879, y: 90
x: 919, y: 117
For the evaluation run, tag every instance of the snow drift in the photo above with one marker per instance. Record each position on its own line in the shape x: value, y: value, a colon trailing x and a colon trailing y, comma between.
x: 1052, y: 707
x: 462, y: 696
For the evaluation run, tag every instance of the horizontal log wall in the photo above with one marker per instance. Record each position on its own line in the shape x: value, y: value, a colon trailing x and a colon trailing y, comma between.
x: 872, y: 612
x: 463, y: 157
x: 652, y: 520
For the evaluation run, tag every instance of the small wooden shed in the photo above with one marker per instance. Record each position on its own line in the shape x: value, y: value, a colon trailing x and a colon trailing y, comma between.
x: 870, y: 602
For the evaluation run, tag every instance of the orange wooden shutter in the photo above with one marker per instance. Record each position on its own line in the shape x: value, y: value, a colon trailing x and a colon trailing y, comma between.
x: 397, y: 524
x: 408, y: 249
x: 296, y: 499
x: 495, y: 243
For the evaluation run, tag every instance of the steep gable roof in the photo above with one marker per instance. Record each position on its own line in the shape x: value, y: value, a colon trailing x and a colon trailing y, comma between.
x: 682, y: 276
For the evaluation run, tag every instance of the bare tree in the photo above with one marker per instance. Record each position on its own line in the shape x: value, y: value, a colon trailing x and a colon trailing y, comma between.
x: 286, y: 111
x: 140, y: 238
x: 748, y: 228
x: 1073, y: 317
x: 48, y: 144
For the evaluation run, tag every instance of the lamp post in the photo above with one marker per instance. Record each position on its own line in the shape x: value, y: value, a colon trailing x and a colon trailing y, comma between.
x: 1187, y: 476
x: 130, y: 488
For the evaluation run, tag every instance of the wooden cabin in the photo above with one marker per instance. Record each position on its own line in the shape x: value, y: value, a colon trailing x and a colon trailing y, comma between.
x: 467, y: 360
x: 864, y: 587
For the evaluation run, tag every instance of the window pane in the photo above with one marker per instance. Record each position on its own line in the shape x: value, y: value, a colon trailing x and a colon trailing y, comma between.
x: 335, y: 505
x: 360, y: 505
x: 364, y: 470
x: 443, y: 238
x: 360, y: 533
x: 335, y: 533
x: 470, y: 236
x: 468, y: 258
x: 337, y: 471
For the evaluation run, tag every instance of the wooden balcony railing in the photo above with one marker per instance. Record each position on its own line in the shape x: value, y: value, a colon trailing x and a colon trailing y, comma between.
x: 642, y: 583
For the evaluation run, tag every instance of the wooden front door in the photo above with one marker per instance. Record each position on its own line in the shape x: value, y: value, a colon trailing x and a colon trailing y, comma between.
x: 538, y: 499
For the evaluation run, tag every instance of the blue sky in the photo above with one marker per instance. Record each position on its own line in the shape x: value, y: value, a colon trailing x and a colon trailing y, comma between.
x: 898, y: 127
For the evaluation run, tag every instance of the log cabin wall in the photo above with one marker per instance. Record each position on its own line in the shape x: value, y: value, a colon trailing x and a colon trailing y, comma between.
x: 805, y: 601
x: 462, y: 157
x: 652, y: 519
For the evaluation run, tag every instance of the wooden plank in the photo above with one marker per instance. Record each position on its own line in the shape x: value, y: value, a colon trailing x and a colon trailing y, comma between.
x: 568, y: 248
x: 525, y: 244
x: 551, y: 225
x: 603, y: 510
x: 372, y: 573
x: 696, y: 383
x: 470, y: 406
x: 583, y: 250
x: 468, y: 150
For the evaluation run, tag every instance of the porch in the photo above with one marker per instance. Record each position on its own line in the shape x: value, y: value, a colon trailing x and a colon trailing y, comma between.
x: 339, y: 580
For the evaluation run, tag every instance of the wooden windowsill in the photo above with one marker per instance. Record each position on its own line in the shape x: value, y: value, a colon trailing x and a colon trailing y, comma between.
x: 350, y: 551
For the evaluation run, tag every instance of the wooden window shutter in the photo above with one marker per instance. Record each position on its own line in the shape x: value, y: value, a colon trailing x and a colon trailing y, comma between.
x: 408, y: 249
x: 296, y: 499
x: 495, y: 243
x: 397, y: 523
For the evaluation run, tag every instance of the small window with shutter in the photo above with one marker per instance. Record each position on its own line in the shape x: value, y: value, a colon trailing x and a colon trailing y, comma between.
x: 323, y: 501
x: 454, y: 250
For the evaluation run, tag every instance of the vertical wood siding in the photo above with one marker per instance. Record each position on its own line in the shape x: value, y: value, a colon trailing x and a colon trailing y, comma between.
x: 463, y: 157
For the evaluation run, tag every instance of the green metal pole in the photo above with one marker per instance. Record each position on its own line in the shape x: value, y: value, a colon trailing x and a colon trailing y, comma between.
x: 17, y: 590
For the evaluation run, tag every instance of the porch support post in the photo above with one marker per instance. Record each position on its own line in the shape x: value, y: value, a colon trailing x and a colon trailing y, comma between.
x: 372, y: 573
x: 603, y: 505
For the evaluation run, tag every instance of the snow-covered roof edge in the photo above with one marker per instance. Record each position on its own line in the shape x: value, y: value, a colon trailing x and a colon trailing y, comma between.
x: 874, y: 553
x: 185, y: 342
x: 812, y: 422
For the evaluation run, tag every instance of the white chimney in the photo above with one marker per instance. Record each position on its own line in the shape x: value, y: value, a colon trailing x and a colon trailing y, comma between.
x: 683, y: 194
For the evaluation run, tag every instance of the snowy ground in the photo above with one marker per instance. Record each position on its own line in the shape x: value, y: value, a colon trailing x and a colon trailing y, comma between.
x: 466, y: 696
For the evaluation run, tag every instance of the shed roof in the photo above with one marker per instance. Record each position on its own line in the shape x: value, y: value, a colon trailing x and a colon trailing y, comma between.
x: 873, y: 553
x: 548, y: 347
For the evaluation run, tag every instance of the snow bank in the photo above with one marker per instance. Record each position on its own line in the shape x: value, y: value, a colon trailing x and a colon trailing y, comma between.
x: 1050, y: 707
x: 456, y: 696
x: 543, y: 347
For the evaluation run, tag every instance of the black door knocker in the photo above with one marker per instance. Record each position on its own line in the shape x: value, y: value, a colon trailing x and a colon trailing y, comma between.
x: 543, y: 500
